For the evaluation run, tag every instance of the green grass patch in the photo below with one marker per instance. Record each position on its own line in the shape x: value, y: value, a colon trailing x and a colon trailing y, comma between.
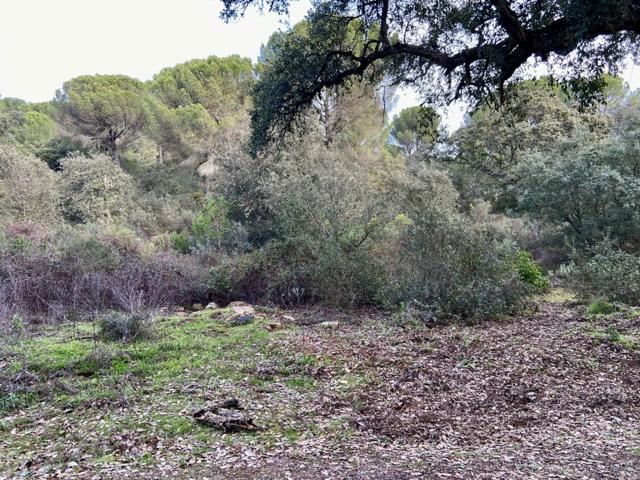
x: 611, y: 334
x: 601, y: 307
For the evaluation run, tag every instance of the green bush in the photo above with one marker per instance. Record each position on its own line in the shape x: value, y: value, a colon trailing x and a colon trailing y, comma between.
x: 455, y: 271
x: 125, y: 327
x: 530, y: 272
x: 181, y: 242
x: 605, y: 272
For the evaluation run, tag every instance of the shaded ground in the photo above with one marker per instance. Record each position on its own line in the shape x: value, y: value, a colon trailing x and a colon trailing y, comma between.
x: 551, y: 394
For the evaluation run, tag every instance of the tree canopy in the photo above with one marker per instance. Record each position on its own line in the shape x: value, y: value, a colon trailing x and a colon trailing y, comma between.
x: 447, y: 50
x: 109, y: 109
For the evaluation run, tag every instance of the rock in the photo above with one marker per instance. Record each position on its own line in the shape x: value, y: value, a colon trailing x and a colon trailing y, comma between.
x: 288, y: 318
x: 196, y: 307
x: 273, y: 326
x: 239, y: 318
x: 212, y: 306
x: 241, y: 307
x: 178, y: 309
x: 329, y: 324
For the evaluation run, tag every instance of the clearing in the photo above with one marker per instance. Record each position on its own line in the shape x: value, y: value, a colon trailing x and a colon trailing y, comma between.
x: 553, y: 393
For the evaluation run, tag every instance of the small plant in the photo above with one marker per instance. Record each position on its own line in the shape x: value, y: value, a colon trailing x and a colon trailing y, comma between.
x: 612, y: 333
x: 601, y: 307
x: 126, y: 327
x: 99, y: 359
x: 181, y: 242
x: 530, y: 272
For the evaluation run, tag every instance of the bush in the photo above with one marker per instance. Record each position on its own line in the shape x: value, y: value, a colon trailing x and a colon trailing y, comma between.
x: 28, y: 188
x: 605, y: 272
x: 455, y: 271
x: 95, y: 189
x: 125, y: 327
x: 530, y: 272
x: 181, y: 242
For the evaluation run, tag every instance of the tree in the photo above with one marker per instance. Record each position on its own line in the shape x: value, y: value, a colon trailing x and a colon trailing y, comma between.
x: 22, y: 124
x: 595, y: 193
x: 414, y: 128
x: 220, y: 85
x: 449, y: 50
x: 110, y: 109
x: 197, y: 101
x: 537, y: 118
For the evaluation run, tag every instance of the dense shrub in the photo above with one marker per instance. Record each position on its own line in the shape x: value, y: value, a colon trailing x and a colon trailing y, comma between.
x: 95, y: 189
x: 73, y: 272
x: 344, y: 237
x: 605, y: 272
x: 28, y: 188
x: 455, y: 271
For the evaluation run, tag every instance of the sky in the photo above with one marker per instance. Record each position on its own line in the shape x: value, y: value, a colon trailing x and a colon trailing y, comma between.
x: 45, y: 42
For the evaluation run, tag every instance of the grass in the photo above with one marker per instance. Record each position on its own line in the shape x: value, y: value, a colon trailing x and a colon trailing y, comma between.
x: 143, y: 387
x: 601, y: 307
x: 560, y: 296
x: 611, y: 334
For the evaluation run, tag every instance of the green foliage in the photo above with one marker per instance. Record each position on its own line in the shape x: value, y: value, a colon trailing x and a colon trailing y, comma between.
x: 181, y: 242
x: 606, y: 272
x: 109, y: 109
x: 217, y: 84
x: 586, y: 192
x: 95, y: 189
x: 415, y: 128
x: 601, y: 307
x: 530, y: 272
x: 537, y: 118
x: 196, y: 101
x: 28, y: 188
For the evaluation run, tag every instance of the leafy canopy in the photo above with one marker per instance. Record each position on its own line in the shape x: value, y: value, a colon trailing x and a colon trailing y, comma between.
x: 109, y: 109
x: 447, y: 50
x: 415, y: 128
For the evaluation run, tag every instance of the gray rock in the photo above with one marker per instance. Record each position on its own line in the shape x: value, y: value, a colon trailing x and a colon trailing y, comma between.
x: 238, y: 318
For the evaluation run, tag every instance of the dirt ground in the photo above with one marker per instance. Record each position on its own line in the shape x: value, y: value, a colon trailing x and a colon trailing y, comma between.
x: 547, y: 394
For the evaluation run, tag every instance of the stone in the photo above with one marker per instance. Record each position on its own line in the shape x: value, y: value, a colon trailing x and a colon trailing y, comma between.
x: 212, y: 306
x: 196, y: 307
x: 242, y: 307
x: 239, y: 318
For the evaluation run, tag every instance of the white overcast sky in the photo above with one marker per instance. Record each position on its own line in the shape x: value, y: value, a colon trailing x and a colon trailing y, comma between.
x: 45, y: 42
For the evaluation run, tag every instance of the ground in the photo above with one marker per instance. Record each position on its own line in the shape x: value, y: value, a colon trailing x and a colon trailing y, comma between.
x: 551, y: 393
